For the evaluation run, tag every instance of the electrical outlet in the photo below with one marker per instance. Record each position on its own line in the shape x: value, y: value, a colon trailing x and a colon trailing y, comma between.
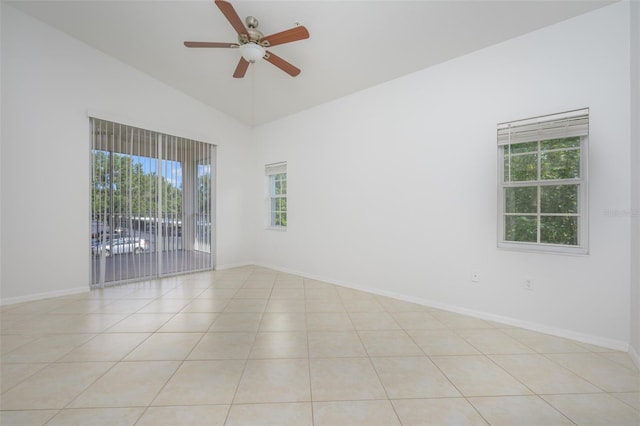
x: 527, y: 284
x: 475, y: 277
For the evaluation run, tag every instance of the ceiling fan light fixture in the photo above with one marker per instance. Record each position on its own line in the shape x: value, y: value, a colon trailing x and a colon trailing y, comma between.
x: 252, y: 52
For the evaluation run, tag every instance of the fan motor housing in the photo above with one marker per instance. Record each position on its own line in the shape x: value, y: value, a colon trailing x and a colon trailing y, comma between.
x: 255, y: 35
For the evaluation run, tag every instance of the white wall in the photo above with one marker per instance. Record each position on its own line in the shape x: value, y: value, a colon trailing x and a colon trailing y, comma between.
x: 393, y: 189
x: 1, y: 133
x: 49, y: 82
x: 635, y: 181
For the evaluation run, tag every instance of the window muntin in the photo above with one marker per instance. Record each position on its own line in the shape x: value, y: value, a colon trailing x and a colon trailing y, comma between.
x: 543, y: 186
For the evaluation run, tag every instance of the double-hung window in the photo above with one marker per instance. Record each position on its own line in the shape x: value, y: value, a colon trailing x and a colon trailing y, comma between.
x: 543, y: 183
x: 277, y: 182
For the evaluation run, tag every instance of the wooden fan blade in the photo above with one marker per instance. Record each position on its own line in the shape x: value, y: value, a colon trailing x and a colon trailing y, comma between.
x: 232, y: 16
x: 287, y: 36
x: 241, y: 69
x: 209, y: 44
x: 282, y: 64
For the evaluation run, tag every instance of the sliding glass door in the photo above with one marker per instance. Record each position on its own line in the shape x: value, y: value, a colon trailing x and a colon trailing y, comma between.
x: 151, y: 204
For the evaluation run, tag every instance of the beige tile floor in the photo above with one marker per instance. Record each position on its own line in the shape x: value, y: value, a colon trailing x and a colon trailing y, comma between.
x: 251, y: 346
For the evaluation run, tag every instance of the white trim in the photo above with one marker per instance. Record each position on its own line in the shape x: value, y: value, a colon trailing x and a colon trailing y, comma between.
x: 234, y: 265
x: 45, y: 295
x: 635, y: 356
x: 617, y: 345
x: 213, y: 208
x: 543, y: 248
x: 276, y: 228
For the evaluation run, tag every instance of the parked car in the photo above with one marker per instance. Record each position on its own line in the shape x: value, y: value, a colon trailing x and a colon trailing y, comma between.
x: 120, y: 245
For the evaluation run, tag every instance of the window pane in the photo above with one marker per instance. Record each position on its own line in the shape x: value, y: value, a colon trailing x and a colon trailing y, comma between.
x: 559, y: 199
x: 560, y: 143
x: 524, y: 147
x: 521, y: 200
x: 272, y: 184
x: 506, y: 163
x: 281, y: 204
x: 559, y: 230
x: 520, y: 228
x: 281, y: 219
x: 560, y: 164
x: 524, y: 167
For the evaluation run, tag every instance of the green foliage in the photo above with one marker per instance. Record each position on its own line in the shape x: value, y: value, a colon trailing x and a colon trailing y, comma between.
x: 279, y: 211
x: 559, y: 230
x: 521, y: 228
x: 563, y: 164
x: 559, y: 159
x: 522, y: 167
x: 559, y: 199
x: 542, y: 212
x: 281, y: 219
x: 204, y: 192
x: 522, y: 199
x: 562, y: 143
x: 121, y: 186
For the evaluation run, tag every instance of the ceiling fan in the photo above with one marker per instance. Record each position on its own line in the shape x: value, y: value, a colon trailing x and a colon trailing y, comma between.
x: 252, y: 43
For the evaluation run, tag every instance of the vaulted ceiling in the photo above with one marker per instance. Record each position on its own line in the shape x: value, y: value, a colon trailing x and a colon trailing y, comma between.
x: 353, y: 44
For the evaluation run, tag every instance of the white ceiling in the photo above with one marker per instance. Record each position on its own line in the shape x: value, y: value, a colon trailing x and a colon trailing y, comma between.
x: 353, y: 44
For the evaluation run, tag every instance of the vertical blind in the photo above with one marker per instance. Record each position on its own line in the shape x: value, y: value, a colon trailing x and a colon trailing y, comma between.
x: 151, y: 203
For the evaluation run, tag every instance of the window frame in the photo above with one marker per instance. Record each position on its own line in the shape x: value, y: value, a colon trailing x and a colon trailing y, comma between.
x: 539, y: 183
x: 272, y: 171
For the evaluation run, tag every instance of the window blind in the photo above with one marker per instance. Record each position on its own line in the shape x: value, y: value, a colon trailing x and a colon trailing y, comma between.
x: 556, y: 126
x: 152, y: 203
x: 275, y: 168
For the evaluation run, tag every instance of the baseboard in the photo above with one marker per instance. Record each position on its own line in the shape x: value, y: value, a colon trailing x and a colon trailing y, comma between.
x: 234, y: 265
x: 78, y: 290
x: 541, y: 328
x: 635, y: 357
x: 45, y: 295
